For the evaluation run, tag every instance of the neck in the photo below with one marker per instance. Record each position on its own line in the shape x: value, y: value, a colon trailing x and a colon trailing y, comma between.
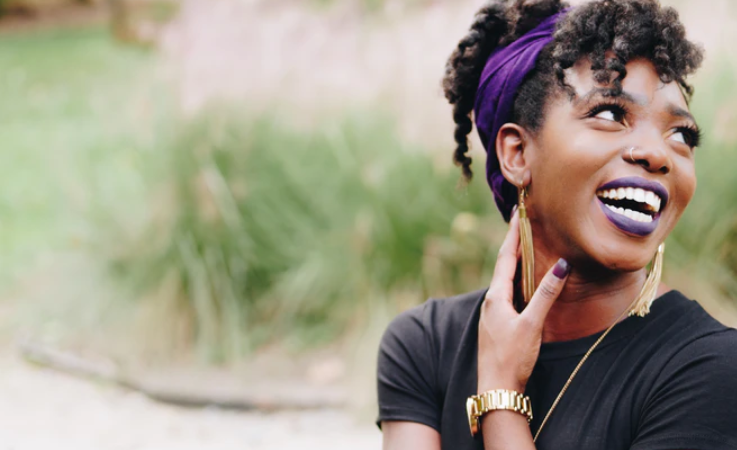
x: 590, y: 302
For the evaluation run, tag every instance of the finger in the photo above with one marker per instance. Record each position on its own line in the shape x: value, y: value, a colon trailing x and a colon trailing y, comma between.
x: 506, y: 261
x: 548, y: 291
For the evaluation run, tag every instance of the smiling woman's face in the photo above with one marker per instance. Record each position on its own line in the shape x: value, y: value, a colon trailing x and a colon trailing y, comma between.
x: 591, y: 198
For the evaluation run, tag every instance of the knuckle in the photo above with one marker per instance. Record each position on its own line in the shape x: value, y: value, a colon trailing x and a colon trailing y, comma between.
x: 547, y: 289
x: 487, y: 301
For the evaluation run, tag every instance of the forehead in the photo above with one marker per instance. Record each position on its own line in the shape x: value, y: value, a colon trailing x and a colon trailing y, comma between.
x: 642, y: 82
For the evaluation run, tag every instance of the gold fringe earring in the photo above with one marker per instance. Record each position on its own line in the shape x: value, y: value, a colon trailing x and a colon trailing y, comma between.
x: 528, y: 256
x: 650, y: 288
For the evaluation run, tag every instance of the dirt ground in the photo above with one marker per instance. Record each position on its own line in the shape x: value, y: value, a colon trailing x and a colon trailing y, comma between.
x: 44, y: 409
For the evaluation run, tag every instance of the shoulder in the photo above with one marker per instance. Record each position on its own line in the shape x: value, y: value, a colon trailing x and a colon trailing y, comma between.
x: 695, y: 401
x: 715, y: 351
x: 415, y: 353
x: 429, y: 335
x: 694, y: 397
x: 437, y: 318
x: 677, y: 322
x: 692, y: 400
x: 695, y: 337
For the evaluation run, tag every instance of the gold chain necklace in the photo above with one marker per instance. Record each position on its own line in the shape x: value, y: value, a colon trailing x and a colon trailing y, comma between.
x: 578, y: 367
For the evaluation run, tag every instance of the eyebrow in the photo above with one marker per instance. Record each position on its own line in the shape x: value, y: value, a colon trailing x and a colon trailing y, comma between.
x: 680, y: 112
x: 609, y: 92
x: 640, y: 100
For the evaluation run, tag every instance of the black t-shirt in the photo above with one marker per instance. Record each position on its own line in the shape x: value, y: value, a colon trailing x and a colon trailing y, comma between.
x: 666, y: 381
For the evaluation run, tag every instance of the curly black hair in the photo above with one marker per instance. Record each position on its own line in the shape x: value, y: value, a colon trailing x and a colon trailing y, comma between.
x: 627, y: 28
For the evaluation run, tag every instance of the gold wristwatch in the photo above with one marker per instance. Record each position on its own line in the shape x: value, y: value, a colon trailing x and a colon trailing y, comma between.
x: 478, y: 405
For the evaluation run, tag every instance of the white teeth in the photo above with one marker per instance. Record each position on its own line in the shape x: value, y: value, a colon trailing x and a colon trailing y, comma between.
x: 650, y: 198
x: 639, y: 195
x: 636, y: 194
x: 634, y: 215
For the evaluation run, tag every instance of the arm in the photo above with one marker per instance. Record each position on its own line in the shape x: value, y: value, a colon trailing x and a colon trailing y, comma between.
x: 509, y: 342
x: 506, y: 430
x: 409, y: 408
x: 409, y: 436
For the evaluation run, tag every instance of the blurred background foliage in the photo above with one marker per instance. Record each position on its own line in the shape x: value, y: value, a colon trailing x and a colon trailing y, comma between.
x: 148, y: 214
x: 267, y: 231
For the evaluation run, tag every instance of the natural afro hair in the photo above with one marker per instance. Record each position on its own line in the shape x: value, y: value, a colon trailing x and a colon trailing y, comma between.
x: 609, y: 33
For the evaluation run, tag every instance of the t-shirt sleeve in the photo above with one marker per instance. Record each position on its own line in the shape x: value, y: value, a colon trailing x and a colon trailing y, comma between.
x: 694, y: 401
x: 406, y: 371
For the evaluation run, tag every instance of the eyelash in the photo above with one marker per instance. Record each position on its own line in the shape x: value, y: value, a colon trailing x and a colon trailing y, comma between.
x: 692, y: 134
x: 614, y: 106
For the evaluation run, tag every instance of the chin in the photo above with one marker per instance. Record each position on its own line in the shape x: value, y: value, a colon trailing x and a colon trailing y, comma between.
x: 627, y: 263
x: 618, y: 256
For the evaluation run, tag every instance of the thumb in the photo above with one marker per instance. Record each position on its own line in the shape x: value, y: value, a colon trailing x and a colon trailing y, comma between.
x: 547, y: 292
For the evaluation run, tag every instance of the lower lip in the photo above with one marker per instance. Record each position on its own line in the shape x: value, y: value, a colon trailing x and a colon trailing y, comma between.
x: 628, y: 225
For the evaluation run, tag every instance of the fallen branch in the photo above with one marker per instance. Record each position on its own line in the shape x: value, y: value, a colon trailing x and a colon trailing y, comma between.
x: 292, y: 398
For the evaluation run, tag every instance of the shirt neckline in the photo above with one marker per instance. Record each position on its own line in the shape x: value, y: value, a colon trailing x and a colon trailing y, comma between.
x: 671, y: 300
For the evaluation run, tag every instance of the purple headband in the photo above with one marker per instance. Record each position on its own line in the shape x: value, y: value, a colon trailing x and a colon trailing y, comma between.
x: 503, y: 74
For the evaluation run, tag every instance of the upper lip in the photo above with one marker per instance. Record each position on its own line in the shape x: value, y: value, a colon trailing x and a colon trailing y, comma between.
x: 639, y: 182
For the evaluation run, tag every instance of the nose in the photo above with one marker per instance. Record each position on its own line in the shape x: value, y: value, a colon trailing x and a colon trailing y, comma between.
x: 653, y: 157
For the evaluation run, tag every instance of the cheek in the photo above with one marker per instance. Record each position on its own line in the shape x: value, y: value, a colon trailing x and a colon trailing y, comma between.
x: 569, y: 161
x: 562, y: 181
x: 685, y: 183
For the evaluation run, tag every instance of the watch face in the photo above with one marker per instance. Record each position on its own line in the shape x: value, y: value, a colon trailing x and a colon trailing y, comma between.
x: 473, y: 418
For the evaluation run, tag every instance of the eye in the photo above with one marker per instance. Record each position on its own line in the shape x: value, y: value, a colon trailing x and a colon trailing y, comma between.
x: 678, y: 137
x: 611, y: 112
x: 607, y: 115
x: 690, y: 136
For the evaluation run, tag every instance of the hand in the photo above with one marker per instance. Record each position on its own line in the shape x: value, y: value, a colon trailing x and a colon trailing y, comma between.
x: 509, y: 342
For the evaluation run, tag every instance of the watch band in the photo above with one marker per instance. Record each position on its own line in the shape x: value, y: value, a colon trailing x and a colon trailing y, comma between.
x: 478, y: 405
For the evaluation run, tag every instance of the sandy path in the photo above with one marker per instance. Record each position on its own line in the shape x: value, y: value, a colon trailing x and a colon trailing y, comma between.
x: 42, y: 409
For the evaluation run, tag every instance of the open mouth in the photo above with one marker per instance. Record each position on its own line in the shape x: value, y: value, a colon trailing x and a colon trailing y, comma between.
x: 633, y: 204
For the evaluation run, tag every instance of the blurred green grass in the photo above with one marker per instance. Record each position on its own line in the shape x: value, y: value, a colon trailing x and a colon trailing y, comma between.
x: 272, y: 232
x: 239, y: 230
x: 703, y: 246
x: 68, y: 119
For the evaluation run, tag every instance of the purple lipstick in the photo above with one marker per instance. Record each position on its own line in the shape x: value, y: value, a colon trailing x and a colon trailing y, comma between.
x: 633, y: 204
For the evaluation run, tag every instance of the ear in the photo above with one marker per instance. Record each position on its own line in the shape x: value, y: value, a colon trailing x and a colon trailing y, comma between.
x: 511, y: 146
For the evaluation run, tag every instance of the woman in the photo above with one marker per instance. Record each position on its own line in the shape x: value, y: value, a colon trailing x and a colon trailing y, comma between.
x: 584, y: 116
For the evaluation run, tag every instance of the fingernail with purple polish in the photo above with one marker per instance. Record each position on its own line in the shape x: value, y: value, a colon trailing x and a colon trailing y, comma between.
x: 561, y: 269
